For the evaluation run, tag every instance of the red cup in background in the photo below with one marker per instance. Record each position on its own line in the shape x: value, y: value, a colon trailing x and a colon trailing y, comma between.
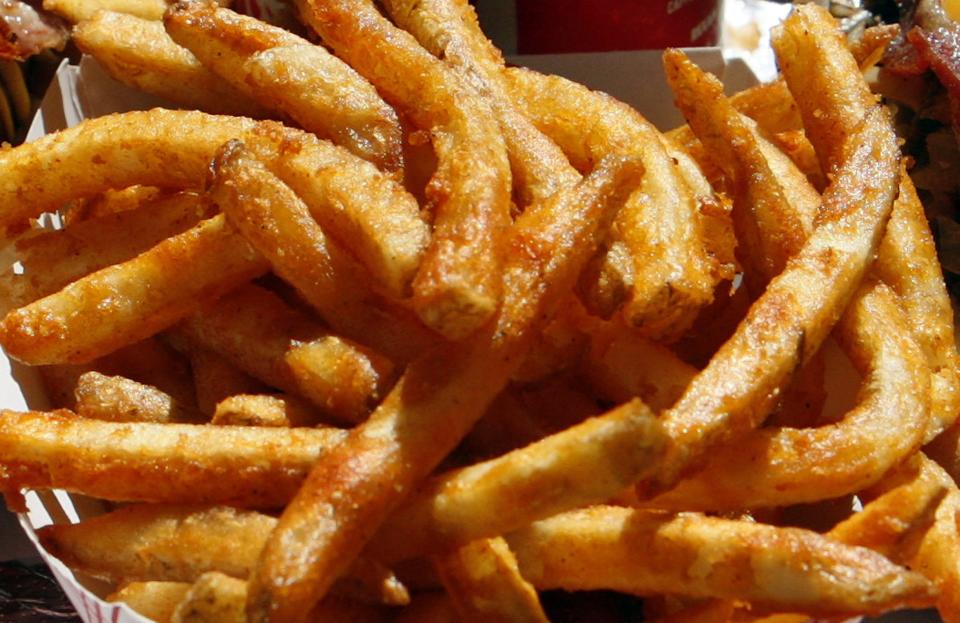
x: 560, y: 26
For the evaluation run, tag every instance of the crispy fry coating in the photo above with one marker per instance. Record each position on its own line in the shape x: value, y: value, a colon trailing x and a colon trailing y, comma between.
x: 137, y: 52
x: 82, y: 10
x: 645, y: 552
x: 154, y: 600
x: 289, y: 74
x: 239, y: 465
x: 119, y: 399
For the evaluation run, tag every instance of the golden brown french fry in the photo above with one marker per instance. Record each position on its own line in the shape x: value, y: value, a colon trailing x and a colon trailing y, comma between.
x: 484, y: 584
x: 52, y: 259
x: 173, y: 149
x: 137, y: 52
x: 133, y: 300
x: 158, y: 462
x: 275, y: 221
x: 457, y: 288
x: 154, y: 600
x: 778, y: 466
x: 160, y: 542
x: 284, y: 72
x: 76, y: 11
x: 433, y: 405
x: 113, y: 201
x: 833, y: 98
x: 260, y: 334
x: 770, y: 193
x: 584, y: 464
x: 736, y: 390
x: 119, y: 399
x: 644, y: 552
x: 218, y: 598
x: 264, y: 410
x: 450, y: 30
x: 656, y: 240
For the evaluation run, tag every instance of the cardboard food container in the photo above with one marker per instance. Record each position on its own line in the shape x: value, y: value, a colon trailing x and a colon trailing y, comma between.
x: 85, y: 91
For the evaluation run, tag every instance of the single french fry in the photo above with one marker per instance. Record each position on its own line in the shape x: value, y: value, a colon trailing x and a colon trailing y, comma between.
x: 457, y: 288
x: 137, y: 52
x: 584, y: 464
x: 119, y: 399
x: 433, y: 405
x: 289, y: 74
x: 260, y: 334
x: 215, y: 379
x: 133, y: 300
x: 484, y: 584
x: 736, y: 390
x: 154, y: 600
x: 185, y: 463
x: 644, y: 552
x: 76, y: 11
x: 778, y: 466
x: 50, y: 260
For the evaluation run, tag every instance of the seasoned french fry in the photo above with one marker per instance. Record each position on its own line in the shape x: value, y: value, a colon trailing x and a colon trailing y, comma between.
x: 144, y: 296
x: 457, y: 288
x: 215, y: 379
x: 778, y: 466
x: 256, y: 331
x: 736, y: 390
x: 51, y: 260
x: 154, y: 600
x: 284, y: 72
x: 432, y: 406
x: 484, y: 584
x: 119, y: 399
x: 584, y: 464
x: 158, y: 462
x: 137, y: 52
x: 601, y: 547
x: 82, y: 10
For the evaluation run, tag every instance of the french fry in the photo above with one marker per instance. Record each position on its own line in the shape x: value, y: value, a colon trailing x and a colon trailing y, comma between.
x: 432, y: 406
x: 600, y: 547
x: 809, y: 295
x: 779, y: 466
x: 137, y: 52
x: 484, y: 584
x: 584, y: 464
x: 145, y: 295
x: 154, y: 600
x: 457, y: 288
x: 832, y: 98
x: 51, y: 260
x: 667, y: 274
x: 289, y: 74
x: 119, y: 399
x: 215, y: 380
x: 257, y: 332
x: 158, y: 462
x: 449, y: 29
x: 76, y: 11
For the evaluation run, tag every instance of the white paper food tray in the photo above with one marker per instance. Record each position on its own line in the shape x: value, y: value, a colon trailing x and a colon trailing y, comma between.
x: 86, y: 92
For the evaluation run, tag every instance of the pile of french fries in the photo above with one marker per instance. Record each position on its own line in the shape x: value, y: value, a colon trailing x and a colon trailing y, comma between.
x: 387, y: 330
